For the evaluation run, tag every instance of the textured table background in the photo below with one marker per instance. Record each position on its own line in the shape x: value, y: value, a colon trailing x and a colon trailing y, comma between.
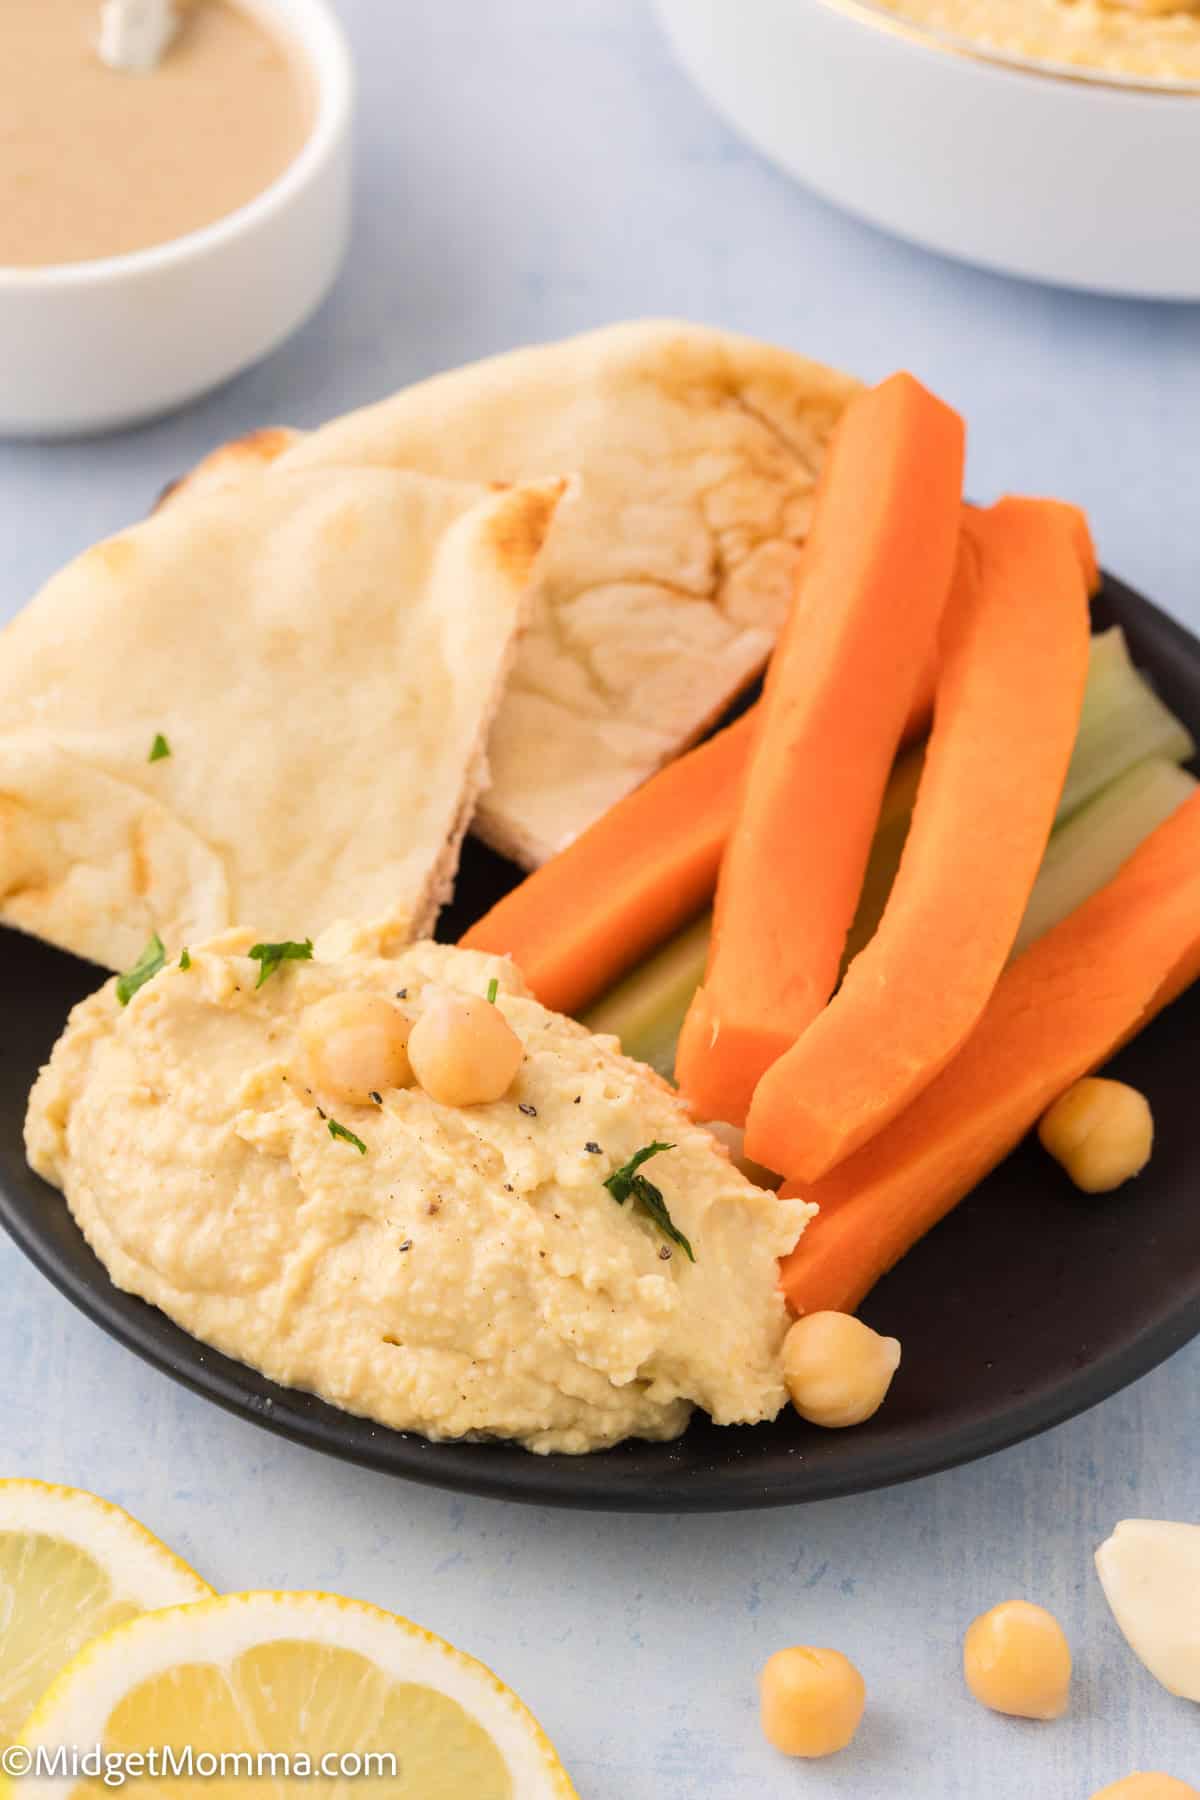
x: 529, y: 169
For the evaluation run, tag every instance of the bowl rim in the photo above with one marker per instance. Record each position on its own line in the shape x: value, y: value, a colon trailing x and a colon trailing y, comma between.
x: 314, y: 30
x: 875, y: 17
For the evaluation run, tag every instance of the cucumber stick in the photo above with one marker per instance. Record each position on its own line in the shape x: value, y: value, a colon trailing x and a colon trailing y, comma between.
x: 645, y: 1010
x: 1122, y: 783
x: 1123, y: 722
x: 1086, y: 852
x: 894, y: 820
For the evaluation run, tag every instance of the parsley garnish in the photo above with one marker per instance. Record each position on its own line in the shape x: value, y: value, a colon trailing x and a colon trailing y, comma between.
x: 269, y: 956
x: 493, y: 990
x: 626, y: 1184
x: 185, y: 958
x: 340, y: 1131
x: 159, y: 748
x: 144, y: 969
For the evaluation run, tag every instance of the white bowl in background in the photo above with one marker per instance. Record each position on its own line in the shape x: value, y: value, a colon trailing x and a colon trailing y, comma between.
x: 1052, y: 174
x: 91, y: 346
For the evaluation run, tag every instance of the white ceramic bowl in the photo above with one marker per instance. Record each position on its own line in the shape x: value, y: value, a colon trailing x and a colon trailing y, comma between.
x: 90, y: 346
x: 1052, y: 174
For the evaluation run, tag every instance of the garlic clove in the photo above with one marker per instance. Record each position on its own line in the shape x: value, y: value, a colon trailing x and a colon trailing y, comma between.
x: 1150, y: 1572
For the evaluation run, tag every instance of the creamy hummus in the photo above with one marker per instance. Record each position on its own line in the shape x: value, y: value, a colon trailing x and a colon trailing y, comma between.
x: 467, y: 1272
x: 1135, y: 40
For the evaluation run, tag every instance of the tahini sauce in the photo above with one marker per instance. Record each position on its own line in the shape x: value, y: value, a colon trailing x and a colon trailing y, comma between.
x: 96, y: 162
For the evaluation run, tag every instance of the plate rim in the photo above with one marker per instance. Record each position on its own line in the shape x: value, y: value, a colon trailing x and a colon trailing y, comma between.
x: 203, y: 1371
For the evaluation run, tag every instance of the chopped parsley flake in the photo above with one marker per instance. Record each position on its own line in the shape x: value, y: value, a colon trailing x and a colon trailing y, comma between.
x: 159, y: 749
x: 144, y: 969
x: 626, y: 1183
x: 340, y: 1131
x: 269, y: 956
x: 185, y: 959
x: 493, y: 990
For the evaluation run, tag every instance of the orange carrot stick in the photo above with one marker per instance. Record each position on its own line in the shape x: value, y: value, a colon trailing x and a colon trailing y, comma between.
x: 1076, y: 521
x: 1081, y: 535
x: 588, y: 916
x: 638, y: 874
x: 1059, y: 1012
x: 877, y: 570
x: 1014, y: 660
x: 630, y: 881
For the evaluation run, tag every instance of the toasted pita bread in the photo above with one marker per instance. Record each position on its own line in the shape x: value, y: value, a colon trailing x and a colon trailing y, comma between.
x: 225, y: 466
x: 660, y: 595
x: 322, y: 652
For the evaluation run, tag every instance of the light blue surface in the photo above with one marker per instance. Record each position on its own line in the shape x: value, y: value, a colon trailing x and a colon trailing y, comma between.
x: 528, y: 169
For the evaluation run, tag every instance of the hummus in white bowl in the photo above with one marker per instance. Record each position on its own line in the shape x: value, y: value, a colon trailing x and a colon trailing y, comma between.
x: 448, y: 1270
x: 1135, y: 40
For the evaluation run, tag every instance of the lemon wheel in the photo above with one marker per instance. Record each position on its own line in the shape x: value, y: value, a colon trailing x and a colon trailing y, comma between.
x: 307, y: 1676
x: 71, y: 1568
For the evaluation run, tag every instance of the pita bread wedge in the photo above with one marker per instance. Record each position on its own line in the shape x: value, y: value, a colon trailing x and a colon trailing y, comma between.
x: 661, y: 593
x: 268, y: 706
x: 226, y: 465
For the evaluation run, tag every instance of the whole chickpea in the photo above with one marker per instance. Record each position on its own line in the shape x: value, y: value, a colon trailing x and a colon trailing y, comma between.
x: 1148, y: 1787
x: 1016, y: 1660
x: 812, y: 1701
x: 463, y: 1051
x: 1102, y: 1132
x: 837, y: 1370
x: 356, y: 1045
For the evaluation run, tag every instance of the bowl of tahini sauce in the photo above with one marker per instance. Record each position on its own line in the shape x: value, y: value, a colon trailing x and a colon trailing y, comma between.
x: 162, y: 228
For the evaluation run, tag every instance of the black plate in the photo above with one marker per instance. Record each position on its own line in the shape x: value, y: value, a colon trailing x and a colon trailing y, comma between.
x: 1028, y: 1305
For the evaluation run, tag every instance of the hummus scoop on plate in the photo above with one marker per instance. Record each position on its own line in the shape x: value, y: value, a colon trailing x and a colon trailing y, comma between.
x: 449, y: 1269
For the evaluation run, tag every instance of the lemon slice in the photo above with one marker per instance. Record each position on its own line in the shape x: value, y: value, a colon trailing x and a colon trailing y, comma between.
x: 71, y: 1567
x: 302, y: 1675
